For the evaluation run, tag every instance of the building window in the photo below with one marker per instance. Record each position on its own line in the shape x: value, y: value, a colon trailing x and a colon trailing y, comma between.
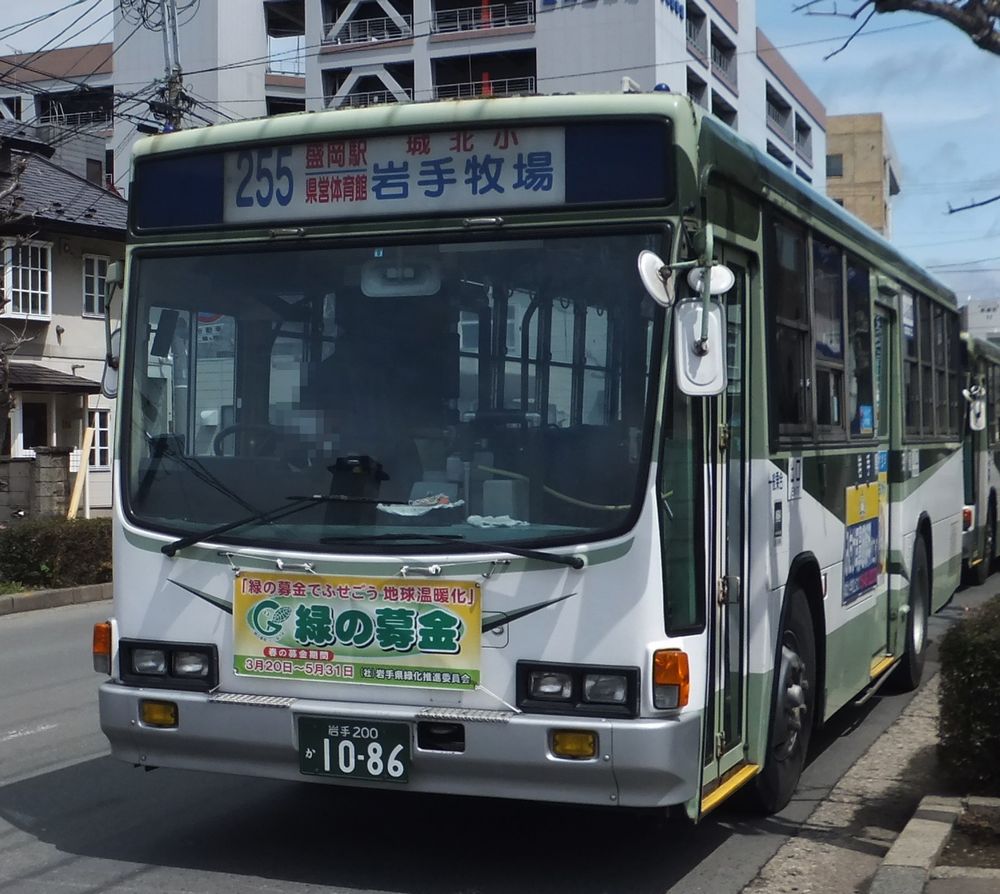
x: 95, y: 171
x: 835, y: 165
x: 27, y: 277
x: 100, y: 448
x: 95, y: 280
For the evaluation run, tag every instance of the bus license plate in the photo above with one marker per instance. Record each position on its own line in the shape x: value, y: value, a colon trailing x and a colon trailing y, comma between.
x: 354, y: 749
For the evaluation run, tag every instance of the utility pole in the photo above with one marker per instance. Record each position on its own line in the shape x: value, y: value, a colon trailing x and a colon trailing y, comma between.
x: 173, y: 102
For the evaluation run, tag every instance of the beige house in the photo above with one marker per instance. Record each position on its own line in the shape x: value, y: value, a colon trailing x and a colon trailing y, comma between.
x: 58, y: 233
x: 862, y: 171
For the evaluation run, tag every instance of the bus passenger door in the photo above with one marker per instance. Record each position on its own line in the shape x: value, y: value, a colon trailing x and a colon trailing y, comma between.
x: 882, y: 368
x: 724, y: 764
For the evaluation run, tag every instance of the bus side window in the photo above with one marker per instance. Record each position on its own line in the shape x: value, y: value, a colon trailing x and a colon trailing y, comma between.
x: 788, y: 299
x: 860, y: 406
x: 828, y: 326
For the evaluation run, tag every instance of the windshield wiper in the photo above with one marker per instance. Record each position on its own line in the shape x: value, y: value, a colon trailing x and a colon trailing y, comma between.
x: 524, y: 552
x: 270, y: 515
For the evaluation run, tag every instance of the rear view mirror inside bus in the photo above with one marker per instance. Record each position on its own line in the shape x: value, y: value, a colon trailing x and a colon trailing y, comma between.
x: 701, y: 364
x: 389, y: 278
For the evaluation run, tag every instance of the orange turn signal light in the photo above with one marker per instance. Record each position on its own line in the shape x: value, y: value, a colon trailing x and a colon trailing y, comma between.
x: 671, y: 678
x: 102, y: 647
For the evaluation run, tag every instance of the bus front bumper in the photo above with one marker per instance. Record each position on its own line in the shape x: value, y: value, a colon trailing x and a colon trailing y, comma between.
x: 639, y: 763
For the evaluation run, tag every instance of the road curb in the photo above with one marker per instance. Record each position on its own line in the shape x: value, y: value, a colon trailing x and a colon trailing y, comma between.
x: 15, y: 603
x: 912, y: 860
x: 907, y: 866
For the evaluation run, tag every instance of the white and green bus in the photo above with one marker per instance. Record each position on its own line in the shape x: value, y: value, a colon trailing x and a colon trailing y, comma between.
x: 558, y: 448
x: 981, y: 448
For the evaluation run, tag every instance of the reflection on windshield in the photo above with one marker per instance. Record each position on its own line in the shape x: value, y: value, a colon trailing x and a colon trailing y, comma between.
x: 487, y: 391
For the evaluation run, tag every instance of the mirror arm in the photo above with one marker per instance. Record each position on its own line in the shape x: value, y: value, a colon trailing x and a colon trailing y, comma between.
x: 701, y: 345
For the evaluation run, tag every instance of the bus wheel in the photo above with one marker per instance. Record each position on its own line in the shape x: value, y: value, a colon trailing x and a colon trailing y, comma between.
x: 907, y: 675
x: 983, y: 569
x: 792, y: 707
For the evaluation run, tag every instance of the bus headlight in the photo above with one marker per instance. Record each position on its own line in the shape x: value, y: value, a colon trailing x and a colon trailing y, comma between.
x: 169, y: 665
x: 581, y: 689
x: 550, y: 684
x: 149, y: 661
x: 608, y: 689
x: 190, y: 664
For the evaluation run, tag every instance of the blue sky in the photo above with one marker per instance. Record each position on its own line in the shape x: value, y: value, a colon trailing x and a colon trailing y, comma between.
x: 936, y: 89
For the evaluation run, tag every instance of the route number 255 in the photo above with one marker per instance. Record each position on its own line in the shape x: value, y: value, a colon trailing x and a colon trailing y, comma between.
x: 265, y: 169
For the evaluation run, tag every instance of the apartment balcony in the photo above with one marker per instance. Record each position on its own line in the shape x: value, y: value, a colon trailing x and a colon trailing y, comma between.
x: 365, y: 99
x: 803, y: 144
x: 697, y: 38
x: 724, y: 66
x: 779, y: 120
x: 368, y: 31
x: 501, y: 87
x: 483, y: 18
x: 95, y: 118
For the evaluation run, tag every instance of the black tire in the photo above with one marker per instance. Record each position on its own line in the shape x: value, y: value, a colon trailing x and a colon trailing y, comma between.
x: 982, y: 571
x: 793, y: 704
x: 906, y: 676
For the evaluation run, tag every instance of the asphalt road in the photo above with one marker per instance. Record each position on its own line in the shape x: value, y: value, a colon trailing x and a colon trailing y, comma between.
x: 72, y: 820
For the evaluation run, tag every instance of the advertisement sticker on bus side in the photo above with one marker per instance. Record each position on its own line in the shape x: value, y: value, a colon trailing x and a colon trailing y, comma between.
x: 357, y: 630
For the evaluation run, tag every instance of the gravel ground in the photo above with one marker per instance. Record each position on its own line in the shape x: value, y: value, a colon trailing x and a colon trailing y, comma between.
x: 841, y: 845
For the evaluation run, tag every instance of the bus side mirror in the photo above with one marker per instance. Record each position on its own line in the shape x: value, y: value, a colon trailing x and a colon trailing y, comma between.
x: 975, y: 397
x: 109, y: 381
x: 700, y: 348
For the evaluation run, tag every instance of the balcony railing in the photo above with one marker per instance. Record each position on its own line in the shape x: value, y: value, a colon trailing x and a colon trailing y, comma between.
x: 697, y: 38
x: 363, y: 100
x: 504, y: 87
x: 724, y: 66
x: 286, y: 56
x: 780, y: 120
x: 368, y: 31
x: 803, y: 144
x: 94, y: 118
x: 479, y: 18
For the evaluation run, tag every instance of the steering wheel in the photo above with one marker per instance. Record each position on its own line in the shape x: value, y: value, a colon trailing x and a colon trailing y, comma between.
x: 256, y: 440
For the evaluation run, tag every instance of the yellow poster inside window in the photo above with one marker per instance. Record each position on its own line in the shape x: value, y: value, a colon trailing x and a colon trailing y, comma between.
x: 387, y: 631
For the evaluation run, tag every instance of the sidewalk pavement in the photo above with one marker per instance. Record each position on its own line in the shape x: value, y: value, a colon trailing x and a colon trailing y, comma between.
x: 38, y: 599
x: 878, y: 831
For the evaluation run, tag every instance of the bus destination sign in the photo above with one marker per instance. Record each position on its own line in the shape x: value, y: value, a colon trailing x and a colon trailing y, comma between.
x: 461, y: 172
x: 464, y: 171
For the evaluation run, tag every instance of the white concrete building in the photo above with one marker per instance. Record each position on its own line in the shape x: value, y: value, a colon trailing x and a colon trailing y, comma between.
x: 247, y: 58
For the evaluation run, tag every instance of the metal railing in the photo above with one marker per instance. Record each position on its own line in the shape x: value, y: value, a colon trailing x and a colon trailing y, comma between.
x: 724, y: 65
x: 286, y: 56
x: 803, y: 144
x: 367, y: 31
x: 780, y: 121
x: 363, y: 100
x: 697, y: 38
x: 97, y: 117
x: 478, y: 18
x: 502, y: 87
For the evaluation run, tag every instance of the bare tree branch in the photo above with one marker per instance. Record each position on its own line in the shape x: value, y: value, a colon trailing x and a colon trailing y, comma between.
x: 857, y: 31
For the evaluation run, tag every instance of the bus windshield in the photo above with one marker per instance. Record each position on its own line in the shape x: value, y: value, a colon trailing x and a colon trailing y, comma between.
x: 477, y: 391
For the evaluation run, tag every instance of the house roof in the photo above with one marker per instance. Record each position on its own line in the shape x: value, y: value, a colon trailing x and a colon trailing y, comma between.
x: 50, y: 193
x: 21, y: 136
x: 33, y: 377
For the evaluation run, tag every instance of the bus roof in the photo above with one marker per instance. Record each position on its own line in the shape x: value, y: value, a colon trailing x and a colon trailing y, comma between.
x: 725, y: 150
